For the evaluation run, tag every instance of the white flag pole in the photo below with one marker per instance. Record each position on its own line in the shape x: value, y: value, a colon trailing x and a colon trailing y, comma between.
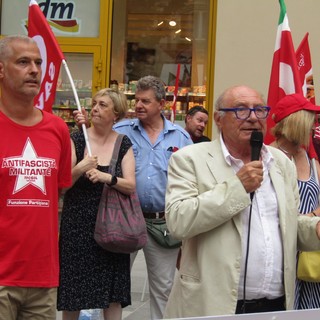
x: 84, y: 129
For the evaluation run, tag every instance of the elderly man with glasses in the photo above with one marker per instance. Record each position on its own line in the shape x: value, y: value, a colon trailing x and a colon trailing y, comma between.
x: 237, y: 218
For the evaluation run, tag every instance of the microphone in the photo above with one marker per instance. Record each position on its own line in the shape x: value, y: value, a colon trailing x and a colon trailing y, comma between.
x: 256, y: 141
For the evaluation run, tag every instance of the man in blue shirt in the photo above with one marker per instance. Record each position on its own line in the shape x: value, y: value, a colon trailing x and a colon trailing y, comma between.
x: 154, y: 140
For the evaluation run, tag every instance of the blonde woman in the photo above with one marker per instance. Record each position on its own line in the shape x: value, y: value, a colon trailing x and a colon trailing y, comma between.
x: 295, y: 117
x: 91, y: 277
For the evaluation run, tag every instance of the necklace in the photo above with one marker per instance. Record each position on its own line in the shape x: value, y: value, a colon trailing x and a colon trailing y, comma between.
x: 285, y: 151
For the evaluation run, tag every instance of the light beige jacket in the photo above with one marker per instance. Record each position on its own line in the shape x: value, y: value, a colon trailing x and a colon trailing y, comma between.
x: 203, y: 201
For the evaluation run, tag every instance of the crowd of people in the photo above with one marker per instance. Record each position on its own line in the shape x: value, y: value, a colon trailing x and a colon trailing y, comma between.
x: 213, y: 196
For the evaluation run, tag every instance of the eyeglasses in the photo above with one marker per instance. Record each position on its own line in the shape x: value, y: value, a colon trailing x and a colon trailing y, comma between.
x: 243, y: 113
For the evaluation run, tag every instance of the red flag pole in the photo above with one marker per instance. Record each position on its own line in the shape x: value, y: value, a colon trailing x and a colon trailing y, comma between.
x: 175, y: 94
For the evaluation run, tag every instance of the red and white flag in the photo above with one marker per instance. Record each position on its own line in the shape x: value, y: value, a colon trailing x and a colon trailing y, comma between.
x: 305, y: 69
x: 40, y: 31
x: 306, y: 77
x: 284, y: 77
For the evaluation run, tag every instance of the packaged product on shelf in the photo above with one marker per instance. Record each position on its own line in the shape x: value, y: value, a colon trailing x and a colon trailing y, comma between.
x: 88, y: 102
x: 121, y: 87
x: 184, y: 91
x: 170, y: 88
x: 88, y: 85
x: 80, y: 84
x: 82, y: 102
x: 132, y: 86
x: 167, y: 105
x: 65, y: 115
x: 190, y: 105
x: 199, y: 89
x: 114, y: 85
x: 179, y: 115
x: 75, y: 82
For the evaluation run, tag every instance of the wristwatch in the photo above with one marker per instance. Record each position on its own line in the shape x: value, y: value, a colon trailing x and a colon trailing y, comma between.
x: 114, y: 180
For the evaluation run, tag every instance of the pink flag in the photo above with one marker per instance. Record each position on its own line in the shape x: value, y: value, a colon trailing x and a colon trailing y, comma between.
x: 284, y: 77
x: 40, y: 31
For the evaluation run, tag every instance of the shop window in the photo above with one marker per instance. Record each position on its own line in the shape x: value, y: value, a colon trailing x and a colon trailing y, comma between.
x: 152, y: 38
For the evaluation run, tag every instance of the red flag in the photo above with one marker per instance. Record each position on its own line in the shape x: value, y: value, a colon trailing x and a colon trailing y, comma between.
x: 284, y: 77
x: 305, y: 69
x: 40, y: 31
x: 306, y: 77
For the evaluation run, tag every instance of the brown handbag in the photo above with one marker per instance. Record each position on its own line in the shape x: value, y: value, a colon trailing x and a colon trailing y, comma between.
x: 120, y: 225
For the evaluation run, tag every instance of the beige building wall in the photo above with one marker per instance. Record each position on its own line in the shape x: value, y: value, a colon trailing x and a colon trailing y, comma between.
x: 245, y: 40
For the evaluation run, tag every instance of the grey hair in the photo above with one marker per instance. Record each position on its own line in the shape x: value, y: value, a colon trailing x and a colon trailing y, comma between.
x: 220, y: 103
x: 5, y: 49
x: 153, y: 83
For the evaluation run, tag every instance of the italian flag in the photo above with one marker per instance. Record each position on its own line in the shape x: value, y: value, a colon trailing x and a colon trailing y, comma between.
x: 284, y: 77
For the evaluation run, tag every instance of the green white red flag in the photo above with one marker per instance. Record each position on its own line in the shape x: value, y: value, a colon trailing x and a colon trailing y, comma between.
x: 40, y: 31
x: 284, y: 77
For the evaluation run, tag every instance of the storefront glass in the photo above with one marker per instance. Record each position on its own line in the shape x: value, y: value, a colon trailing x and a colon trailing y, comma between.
x: 153, y: 38
x: 65, y: 102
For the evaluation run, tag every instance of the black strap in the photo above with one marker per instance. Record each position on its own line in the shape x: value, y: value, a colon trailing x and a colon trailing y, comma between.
x: 115, y: 154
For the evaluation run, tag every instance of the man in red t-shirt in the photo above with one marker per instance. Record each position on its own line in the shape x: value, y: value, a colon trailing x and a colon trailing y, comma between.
x: 35, y: 164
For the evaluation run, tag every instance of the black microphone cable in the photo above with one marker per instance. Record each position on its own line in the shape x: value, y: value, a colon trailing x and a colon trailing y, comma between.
x: 243, y: 308
x: 256, y: 141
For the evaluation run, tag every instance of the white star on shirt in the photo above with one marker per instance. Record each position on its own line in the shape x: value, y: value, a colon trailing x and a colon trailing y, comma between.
x: 25, y: 173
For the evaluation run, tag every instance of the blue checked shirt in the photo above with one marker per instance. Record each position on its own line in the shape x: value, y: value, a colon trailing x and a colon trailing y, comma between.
x: 152, y: 160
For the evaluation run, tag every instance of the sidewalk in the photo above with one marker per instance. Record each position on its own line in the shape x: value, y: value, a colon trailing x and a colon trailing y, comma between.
x: 139, y: 309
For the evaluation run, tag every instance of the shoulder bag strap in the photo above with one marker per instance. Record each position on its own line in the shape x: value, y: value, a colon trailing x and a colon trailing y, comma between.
x: 115, y: 154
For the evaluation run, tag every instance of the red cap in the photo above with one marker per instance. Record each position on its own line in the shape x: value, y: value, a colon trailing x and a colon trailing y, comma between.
x: 291, y: 104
